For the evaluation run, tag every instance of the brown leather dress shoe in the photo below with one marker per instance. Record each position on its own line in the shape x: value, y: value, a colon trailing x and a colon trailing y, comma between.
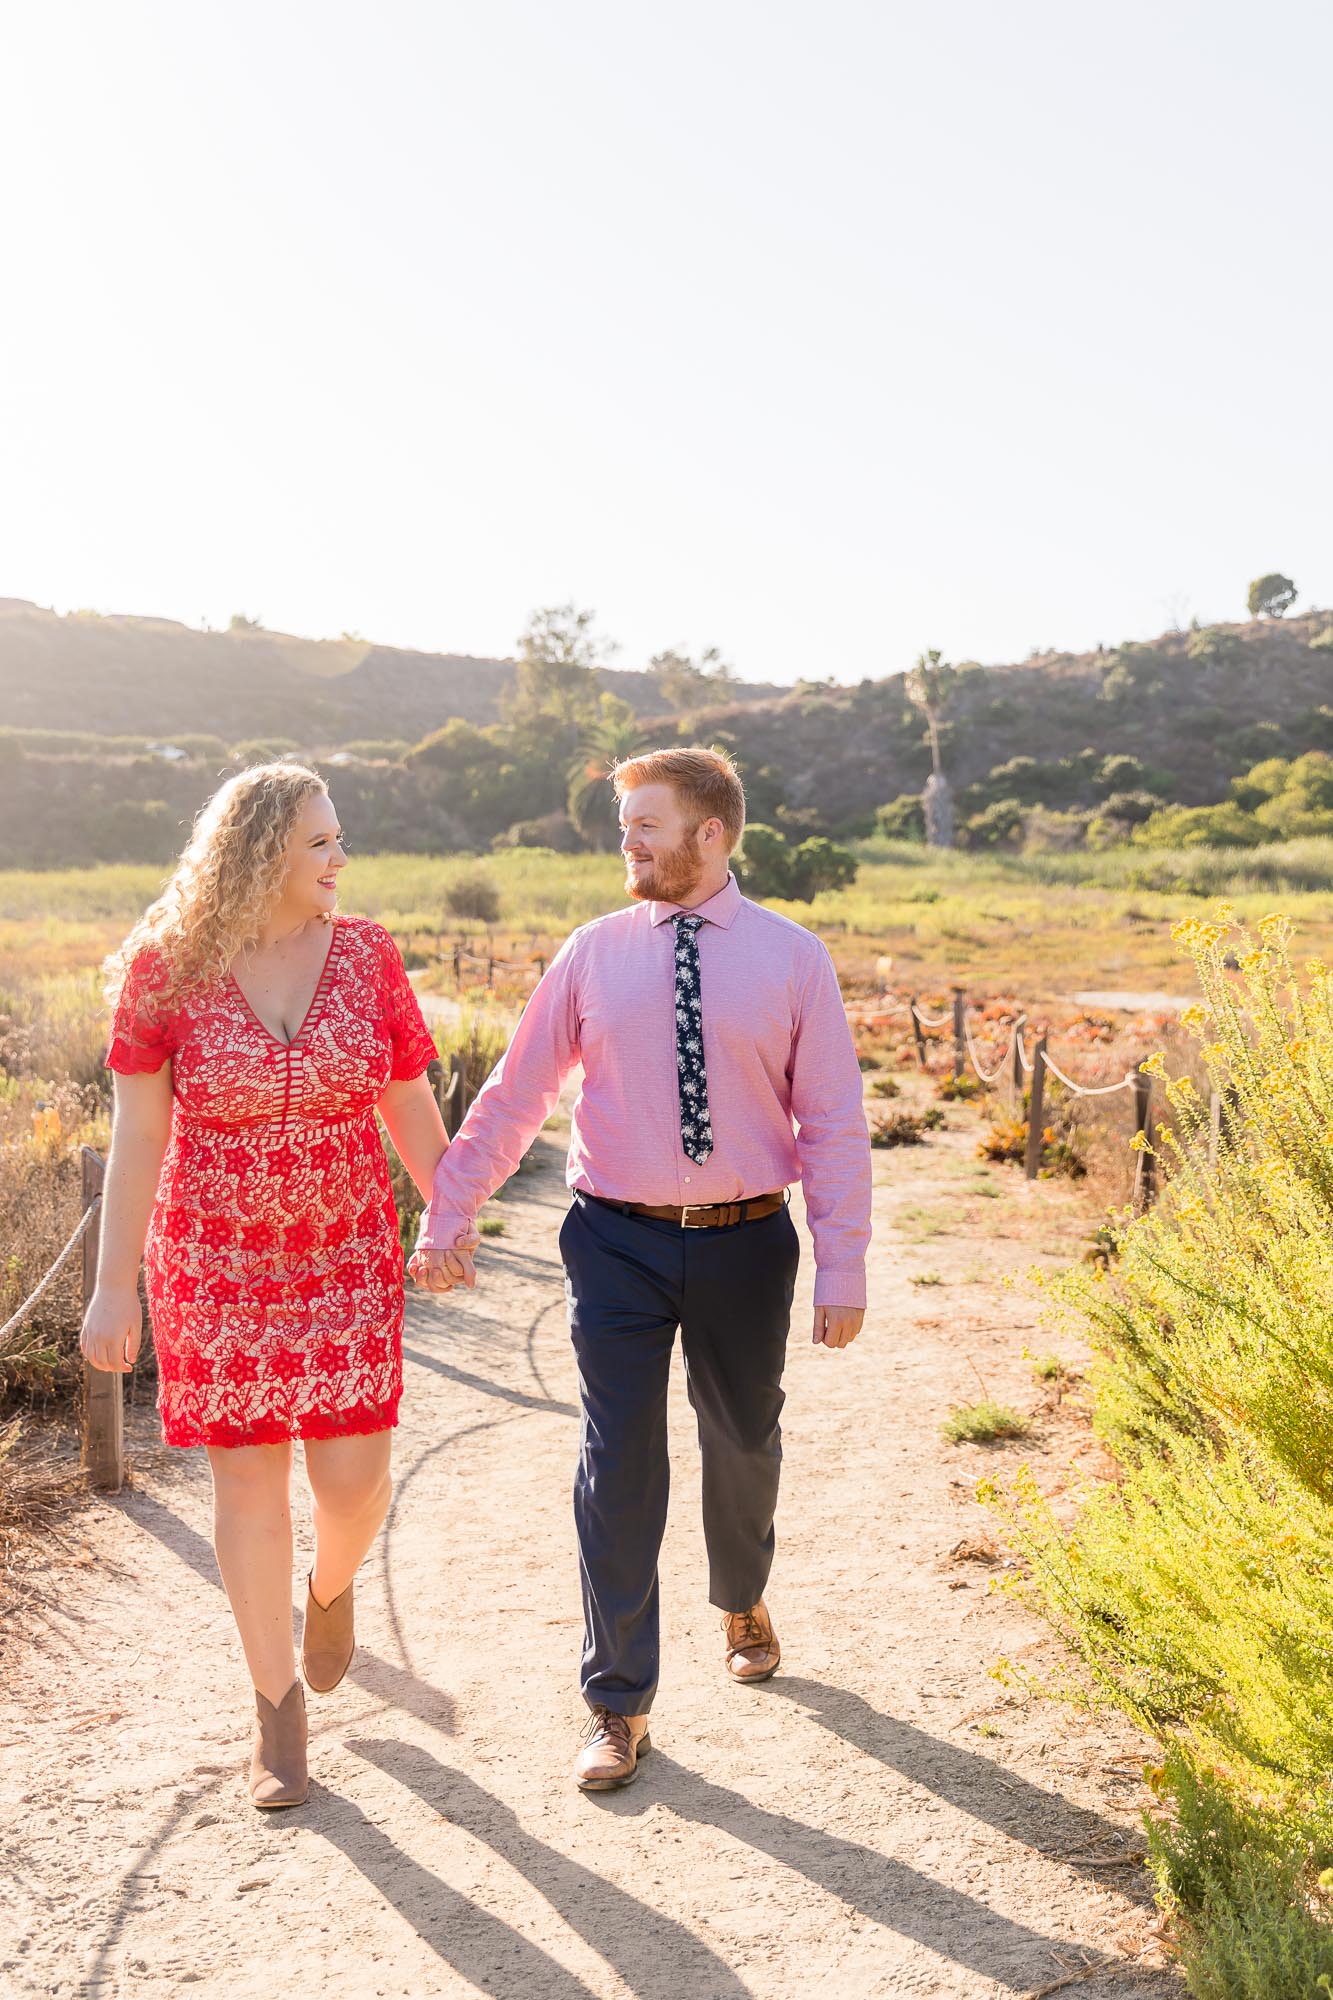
x: 612, y: 1747
x: 753, y: 1651
x: 278, y: 1774
x: 328, y: 1640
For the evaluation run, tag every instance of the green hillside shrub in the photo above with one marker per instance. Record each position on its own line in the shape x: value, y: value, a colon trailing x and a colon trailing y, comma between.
x: 1213, y: 647
x: 768, y: 865
x: 267, y: 750
x: 1000, y: 825
x: 1227, y: 825
x: 902, y: 818
x: 555, y: 831
x: 474, y: 896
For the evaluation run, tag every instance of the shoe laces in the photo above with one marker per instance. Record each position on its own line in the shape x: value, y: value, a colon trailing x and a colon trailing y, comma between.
x: 606, y: 1725
x: 745, y: 1629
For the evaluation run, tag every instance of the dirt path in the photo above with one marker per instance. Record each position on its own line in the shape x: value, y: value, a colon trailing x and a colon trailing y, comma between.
x: 883, y: 1819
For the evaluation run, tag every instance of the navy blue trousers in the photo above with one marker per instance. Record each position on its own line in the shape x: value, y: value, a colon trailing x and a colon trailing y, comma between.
x: 630, y: 1282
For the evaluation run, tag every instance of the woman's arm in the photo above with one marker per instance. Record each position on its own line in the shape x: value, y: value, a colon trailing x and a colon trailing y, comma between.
x: 414, y: 1124
x: 412, y: 1116
x: 113, y: 1323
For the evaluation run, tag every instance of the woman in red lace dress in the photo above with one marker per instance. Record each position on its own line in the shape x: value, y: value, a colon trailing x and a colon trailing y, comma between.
x: 256, y: 1035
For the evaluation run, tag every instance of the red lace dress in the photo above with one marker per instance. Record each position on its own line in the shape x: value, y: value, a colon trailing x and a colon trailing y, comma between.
x: 275, y: 1278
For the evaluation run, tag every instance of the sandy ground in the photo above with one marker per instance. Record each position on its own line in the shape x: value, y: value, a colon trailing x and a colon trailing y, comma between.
x: 883, y: 1818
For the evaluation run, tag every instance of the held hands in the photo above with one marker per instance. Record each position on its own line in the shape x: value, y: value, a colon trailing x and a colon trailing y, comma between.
x: 441, y: 1270
x: 112, y: 1330
x: 837, y: 1326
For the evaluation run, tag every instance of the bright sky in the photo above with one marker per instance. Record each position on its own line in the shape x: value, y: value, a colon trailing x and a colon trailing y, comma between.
x: 821, y: 332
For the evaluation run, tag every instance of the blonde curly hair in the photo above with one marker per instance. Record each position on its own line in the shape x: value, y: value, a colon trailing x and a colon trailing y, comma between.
x: 224, y: 885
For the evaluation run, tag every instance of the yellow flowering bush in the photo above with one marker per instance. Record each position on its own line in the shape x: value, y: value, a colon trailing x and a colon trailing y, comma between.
x: 1197, y: 1589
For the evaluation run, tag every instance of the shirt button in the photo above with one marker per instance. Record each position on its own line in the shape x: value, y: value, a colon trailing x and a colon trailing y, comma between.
x: 687, y: 1177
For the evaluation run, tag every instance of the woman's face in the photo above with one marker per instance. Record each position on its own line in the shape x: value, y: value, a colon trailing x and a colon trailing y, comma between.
x: 315, y: 854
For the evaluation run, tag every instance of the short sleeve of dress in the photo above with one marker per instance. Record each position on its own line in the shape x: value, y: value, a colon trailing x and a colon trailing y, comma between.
x: 413, y: 1045
x: 142, y: 1032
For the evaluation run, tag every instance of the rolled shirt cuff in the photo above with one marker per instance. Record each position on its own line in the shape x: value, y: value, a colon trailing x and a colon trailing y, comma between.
x: 843, y: 1285
x: 446, y: 1231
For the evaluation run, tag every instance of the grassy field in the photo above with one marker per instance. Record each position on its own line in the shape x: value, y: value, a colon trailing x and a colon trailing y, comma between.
x: 1041, y: 926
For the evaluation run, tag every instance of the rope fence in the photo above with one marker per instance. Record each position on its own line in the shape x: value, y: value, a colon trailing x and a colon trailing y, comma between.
x: 103, y: 1395
x: 15, y: 1321
x: 531, y: 967
x: 103, y: 1439
x: 1038, y: 1064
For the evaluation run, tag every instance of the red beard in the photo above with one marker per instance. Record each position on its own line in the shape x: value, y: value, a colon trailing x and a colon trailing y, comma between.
x: 671, y: 878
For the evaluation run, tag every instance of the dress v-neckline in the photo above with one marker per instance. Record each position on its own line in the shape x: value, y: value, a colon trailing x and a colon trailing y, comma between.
x: 316, y: 998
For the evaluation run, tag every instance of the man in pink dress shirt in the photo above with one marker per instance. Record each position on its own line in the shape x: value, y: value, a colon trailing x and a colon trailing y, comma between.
x: 718, y: 1068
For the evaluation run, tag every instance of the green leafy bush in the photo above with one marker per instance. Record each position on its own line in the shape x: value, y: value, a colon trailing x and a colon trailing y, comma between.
x: 474, y: 896
x: 1227, y: 825
x: 902, y: 818
x: 769, y: 865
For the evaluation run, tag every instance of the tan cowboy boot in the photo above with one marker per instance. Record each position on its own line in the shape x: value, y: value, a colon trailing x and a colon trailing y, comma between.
x: 278, y: 1774
x: 328, y: 1640
x: 612, y: 1747
x: 753, y: 1651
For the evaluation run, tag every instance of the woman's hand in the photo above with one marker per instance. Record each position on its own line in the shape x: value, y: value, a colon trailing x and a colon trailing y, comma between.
x: 112, y: 1329
x: 441, y: 1270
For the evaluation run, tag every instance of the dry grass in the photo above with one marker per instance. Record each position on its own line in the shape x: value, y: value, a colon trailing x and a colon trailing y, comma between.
x: 41, y: 1481
x: 1040, y: 925
x: 52, y: 1100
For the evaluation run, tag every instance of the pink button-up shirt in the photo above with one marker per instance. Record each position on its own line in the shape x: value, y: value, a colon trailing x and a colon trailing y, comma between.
x: 777, y: 1050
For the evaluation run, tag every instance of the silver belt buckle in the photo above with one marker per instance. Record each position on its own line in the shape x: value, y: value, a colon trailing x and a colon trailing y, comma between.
x: 685, y: 1222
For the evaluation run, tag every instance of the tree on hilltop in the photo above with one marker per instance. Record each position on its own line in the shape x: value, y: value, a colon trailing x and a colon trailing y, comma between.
x: 556, y: 677
x: 1272, y: 595
x: 689, y: 683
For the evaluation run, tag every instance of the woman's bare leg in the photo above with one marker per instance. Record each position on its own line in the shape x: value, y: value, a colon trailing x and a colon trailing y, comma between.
x: 349, y: 1478
x: 252, y: 1534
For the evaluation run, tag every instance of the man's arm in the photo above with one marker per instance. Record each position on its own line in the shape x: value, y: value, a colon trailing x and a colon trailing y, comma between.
x: 834, y: 1147
x: 510, y: 1109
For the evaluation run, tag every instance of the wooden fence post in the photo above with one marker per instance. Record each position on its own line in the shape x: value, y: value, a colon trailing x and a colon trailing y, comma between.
x: 1032, y: 1160
x: 1142, y: 1192
x: 103, y: 1396
x: 1016, y: 1066
x: 916, y: 1030
x: 959, y: 1032
x: 457, y: 1094
x: 458, y: 965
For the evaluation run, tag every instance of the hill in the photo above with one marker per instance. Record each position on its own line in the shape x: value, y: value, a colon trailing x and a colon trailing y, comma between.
x: 151, y: 677
x: 1192, y: 710
x: 1062, y: 749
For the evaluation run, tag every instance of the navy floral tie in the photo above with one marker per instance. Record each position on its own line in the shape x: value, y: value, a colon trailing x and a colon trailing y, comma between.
x: 696, y: 1129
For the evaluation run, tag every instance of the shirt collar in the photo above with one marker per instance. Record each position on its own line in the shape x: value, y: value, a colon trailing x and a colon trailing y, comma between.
x: 720, y: 909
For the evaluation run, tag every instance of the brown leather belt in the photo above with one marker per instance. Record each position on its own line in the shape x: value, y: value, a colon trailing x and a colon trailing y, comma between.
x: 711, y: 1215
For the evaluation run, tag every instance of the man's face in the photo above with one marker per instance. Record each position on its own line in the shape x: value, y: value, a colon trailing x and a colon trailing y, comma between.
x: 661, y: 848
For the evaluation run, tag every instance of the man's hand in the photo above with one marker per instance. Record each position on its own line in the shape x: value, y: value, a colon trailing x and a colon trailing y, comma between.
x: 441, y: 1270
x: 837, y: 1326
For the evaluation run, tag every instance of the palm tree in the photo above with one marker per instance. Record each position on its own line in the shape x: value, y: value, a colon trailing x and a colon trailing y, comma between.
x: 929, y: 684
x: 615, y: 734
